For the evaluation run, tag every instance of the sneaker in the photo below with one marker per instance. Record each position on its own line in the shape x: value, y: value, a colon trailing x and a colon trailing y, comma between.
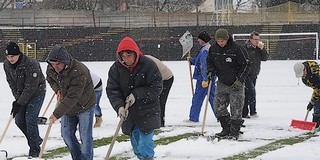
x: 189, y: 121
x: 247, y: 116
x: 254, y: 115
x: 33, y: 155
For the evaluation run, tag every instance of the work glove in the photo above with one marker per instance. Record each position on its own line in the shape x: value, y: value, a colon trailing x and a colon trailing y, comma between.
x: 210, y: 76
x: 123, y: 113
x: 237, y: 85
x: 16, y: 107
x: 130, y: 99
x: 204, y: 84
x: 310, y: 106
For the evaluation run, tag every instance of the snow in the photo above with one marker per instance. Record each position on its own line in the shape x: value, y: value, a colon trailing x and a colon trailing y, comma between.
x: 280, y: 98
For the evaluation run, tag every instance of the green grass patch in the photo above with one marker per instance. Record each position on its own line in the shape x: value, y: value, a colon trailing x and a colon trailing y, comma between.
x: 271, y: 147
x: 161, y: 141
x: 96, y: 143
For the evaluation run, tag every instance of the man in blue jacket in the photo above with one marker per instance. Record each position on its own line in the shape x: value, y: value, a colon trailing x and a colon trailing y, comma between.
x: 200, y: 74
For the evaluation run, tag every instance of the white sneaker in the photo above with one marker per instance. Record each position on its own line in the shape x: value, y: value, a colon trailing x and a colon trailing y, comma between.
x: 188, y: 121
x: 254, y: 116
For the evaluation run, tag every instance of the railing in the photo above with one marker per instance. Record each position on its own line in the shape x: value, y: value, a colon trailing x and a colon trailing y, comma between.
x: 134, y: 20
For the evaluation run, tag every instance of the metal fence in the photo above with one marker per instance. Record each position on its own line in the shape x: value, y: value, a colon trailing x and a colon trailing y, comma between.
x: 57, y: 18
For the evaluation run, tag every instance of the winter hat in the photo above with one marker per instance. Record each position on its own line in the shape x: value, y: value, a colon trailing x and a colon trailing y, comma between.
x: 12, y: 49
x: 222, y: 34
x: 204, y: 36
x: 59, y: 54
x: 298, y: 69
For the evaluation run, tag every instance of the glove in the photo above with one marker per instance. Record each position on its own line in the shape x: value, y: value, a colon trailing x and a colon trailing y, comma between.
x: 204, y: 84
x: 123, y: 113
x: 16, y: 107
x: 210, y: 76
x: 130, y: 99
x: 237, y: 85
x: 310, y: 106
x: 188, y: 58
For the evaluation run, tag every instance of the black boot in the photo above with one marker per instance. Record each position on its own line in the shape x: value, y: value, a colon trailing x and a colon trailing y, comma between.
x: 317, y: 120
x: 235, y: 126
x: 225, y: 124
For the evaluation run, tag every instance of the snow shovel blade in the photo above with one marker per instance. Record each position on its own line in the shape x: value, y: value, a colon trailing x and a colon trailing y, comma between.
x: 42, y: 120
x: 304, y: 125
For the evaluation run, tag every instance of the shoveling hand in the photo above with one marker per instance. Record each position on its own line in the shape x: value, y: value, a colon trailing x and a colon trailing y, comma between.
x: 16, y: 107
x: 310, y: 106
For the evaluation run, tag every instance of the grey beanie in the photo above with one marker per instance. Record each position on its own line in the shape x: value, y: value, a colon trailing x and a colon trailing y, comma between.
x: 298, y: 69
x: 59, y: 54
x: 222, y: 34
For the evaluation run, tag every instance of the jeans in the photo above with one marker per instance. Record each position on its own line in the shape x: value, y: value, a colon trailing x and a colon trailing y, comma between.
x: 97, y: 109
x: 27, y: 122
x: 250, y: 97
x: 142, y: 144
x: 83, y: 151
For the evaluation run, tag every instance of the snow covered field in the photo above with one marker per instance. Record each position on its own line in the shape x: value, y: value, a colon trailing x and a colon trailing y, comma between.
x: 280, y: 98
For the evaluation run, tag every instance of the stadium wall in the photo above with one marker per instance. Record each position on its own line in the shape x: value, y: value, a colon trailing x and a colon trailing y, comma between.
x: 99, y: 44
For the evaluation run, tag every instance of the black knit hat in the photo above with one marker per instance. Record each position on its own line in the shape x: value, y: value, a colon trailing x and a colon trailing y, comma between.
x: 12, y: 49
x: 204, y: 36
x: 222, y: 34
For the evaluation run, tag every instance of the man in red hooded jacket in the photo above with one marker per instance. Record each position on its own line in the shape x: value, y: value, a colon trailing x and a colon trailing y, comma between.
x: 135, y: 80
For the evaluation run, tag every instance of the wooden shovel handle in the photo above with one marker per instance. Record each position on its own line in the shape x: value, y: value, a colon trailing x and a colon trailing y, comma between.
x: 5, y: 130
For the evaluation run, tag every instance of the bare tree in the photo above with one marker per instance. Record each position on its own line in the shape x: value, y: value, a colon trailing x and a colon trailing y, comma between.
x: 4, y: 4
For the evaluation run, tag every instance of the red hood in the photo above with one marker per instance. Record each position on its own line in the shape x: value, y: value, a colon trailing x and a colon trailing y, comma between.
x: 128, y: 43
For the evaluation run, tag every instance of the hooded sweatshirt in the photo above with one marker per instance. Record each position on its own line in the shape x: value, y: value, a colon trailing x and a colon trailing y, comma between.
x: 74, y: 83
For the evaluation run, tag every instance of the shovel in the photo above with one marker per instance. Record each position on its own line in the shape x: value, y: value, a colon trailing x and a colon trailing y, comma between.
x: 206, y: 108
x: 114, y: 138
x: 304, y: 125
x: 43, y: 119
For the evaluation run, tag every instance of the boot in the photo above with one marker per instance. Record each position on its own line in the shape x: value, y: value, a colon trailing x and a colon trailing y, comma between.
x: 98, y: 122
x: 235, y: 126
x: 316, y: 119
x: 225, y: 124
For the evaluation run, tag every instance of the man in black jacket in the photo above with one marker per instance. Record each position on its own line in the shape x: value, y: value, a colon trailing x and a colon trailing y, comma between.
x: 229, y: 62
x: 257, y: 53
x: 135, y: 81
x: 28, y: 87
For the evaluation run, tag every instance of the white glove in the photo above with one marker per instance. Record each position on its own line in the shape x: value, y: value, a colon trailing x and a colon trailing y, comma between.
x: 130, y: 99
x: 123, y: 113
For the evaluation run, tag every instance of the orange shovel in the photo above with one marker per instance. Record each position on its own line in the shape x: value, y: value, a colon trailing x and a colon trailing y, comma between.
x: 304, y: 125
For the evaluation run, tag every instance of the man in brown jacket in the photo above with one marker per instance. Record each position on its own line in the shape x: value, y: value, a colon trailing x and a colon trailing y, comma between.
x: 71, y: 81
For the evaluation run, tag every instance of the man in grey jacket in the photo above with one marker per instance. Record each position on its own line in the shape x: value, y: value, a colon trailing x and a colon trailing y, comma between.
x: 71, y: 81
